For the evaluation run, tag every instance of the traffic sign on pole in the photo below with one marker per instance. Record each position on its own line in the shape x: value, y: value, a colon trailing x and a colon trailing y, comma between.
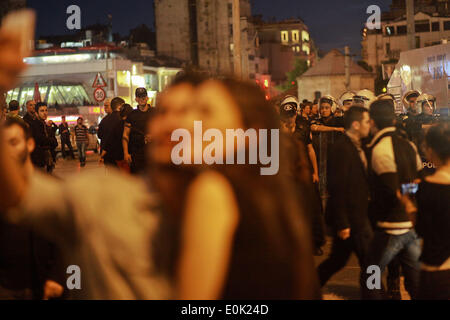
x: 99, y: 94
x: 99, y: 81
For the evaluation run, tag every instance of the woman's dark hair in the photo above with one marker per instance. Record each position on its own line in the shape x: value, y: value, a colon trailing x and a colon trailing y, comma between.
x: 126, y: 110
x: 438, y: 139
x: 271, y: 202
x: 269, y: 207
x: 250, y: 186
x: 383, y: 113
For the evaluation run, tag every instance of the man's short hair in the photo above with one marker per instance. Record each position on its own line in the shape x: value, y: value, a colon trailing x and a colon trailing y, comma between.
x: 355, y: 113
x: 40, y: 104
x: 383, y: 113
x: 116, y: 103
x: 14, y: 105
x: 11, y: 121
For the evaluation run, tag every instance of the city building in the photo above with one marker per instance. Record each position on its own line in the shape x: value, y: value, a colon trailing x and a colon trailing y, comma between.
x: 66, y: 76
x: 382, y: 47
x: 282, y: 42
x: 327, y: 77
x: 200, y: 33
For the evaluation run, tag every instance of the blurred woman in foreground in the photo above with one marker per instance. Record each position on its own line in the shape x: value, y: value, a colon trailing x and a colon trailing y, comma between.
x: 236, y: 234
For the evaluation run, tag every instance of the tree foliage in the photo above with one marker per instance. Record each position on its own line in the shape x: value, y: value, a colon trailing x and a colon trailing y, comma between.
x: 300, y: 67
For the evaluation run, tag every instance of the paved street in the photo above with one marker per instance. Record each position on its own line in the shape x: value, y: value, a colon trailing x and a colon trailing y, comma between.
x: 343, y: 285
x: 67, y: 167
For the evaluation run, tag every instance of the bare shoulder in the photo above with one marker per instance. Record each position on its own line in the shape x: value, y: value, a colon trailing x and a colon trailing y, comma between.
x: 438, y: 178
x: 212, y: 194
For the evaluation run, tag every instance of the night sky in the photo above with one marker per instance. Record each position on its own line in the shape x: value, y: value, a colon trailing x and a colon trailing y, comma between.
x: 332, y: 23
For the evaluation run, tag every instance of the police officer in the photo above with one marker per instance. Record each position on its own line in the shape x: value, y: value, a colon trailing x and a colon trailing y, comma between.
x: 364, y: 98
x: 426, y: 107
x: 346, y: 100
x: 327, y: 121
x: 298, y: 127
x: 410, y: 124
x: 134, y: 134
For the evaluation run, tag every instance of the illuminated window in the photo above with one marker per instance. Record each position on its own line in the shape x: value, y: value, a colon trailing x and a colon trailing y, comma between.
x: 305, y: 48
x: 305, y: 36
x: 295, y: 36
x: 284, y: 37
x: 123, y: 79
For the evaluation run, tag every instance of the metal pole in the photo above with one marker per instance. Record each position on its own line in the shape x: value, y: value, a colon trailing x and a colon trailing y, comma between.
x: 347, y: 68
x: 410, y: 24
x: 237, y: 38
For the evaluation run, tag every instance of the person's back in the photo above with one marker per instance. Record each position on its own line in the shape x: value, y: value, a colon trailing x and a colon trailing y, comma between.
x: 113, y: 142
x: 347, y: 207
x: 393, y: 161
x: 104, y: 130
x: 433, y: 218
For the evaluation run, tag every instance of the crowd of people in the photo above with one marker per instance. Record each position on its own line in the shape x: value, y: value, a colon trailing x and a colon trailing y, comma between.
x: 150, y: 229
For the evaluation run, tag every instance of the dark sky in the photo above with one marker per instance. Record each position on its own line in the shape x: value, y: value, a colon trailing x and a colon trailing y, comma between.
x: 332, y: 23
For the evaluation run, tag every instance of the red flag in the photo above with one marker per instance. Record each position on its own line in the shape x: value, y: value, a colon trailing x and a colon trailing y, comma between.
x: 37, y: 94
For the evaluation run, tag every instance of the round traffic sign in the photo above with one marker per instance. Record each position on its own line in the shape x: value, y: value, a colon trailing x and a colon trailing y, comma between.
x: 99, y: 94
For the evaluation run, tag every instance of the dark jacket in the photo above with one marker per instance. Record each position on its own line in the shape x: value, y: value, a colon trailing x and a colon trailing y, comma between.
x: 43, y: 142
x: 51, y: 131
x: 433, y: 222
x: 104, y: 130
x: 26, y: 262
x: 113, y: 124
x: 64, y: 132
x: 28, y: 118
x: 348, y: 188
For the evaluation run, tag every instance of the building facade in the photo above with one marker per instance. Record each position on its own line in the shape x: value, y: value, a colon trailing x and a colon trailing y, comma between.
x: 327, y: 77
x: 200, y: 32
x: 383, y: 46
x: 282, y: 43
